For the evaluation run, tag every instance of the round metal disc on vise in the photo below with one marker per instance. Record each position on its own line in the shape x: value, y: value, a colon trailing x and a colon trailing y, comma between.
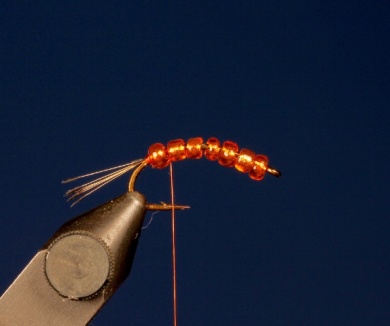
x: 77, y: 266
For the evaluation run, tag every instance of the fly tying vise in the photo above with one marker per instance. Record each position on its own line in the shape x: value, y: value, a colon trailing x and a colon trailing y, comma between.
x: 159, y: 157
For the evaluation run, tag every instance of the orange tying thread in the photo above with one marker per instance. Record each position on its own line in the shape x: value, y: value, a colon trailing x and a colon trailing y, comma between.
x: 159, y: 157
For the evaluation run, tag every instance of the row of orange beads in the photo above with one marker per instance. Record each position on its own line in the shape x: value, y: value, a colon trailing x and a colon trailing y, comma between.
x: 228, y: 155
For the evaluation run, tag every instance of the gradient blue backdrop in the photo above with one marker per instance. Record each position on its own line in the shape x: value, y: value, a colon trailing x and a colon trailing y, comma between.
x: 89, y: 86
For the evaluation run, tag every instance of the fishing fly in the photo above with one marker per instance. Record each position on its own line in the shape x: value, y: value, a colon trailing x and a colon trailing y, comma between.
x: 160, y: 156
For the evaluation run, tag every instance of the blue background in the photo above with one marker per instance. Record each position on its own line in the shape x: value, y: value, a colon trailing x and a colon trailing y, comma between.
x: 85, y: 86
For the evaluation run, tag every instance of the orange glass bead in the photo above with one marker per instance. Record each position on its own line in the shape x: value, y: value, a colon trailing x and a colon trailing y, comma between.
x: 213, y: 148
x: 194, y: 148
x: 158, y: 156
x: 245, y: 160
x: 176, y: 150
x: 228, y: 154
x: 259, y: 167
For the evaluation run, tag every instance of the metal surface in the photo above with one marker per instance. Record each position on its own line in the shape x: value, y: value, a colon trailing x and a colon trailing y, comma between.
x: 77, y: 266
x: 78, y: 269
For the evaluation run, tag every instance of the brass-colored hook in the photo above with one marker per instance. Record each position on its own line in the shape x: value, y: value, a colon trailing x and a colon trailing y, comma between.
x: 274, y: 172
x: 152, y: 207
x: 135, y: 174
